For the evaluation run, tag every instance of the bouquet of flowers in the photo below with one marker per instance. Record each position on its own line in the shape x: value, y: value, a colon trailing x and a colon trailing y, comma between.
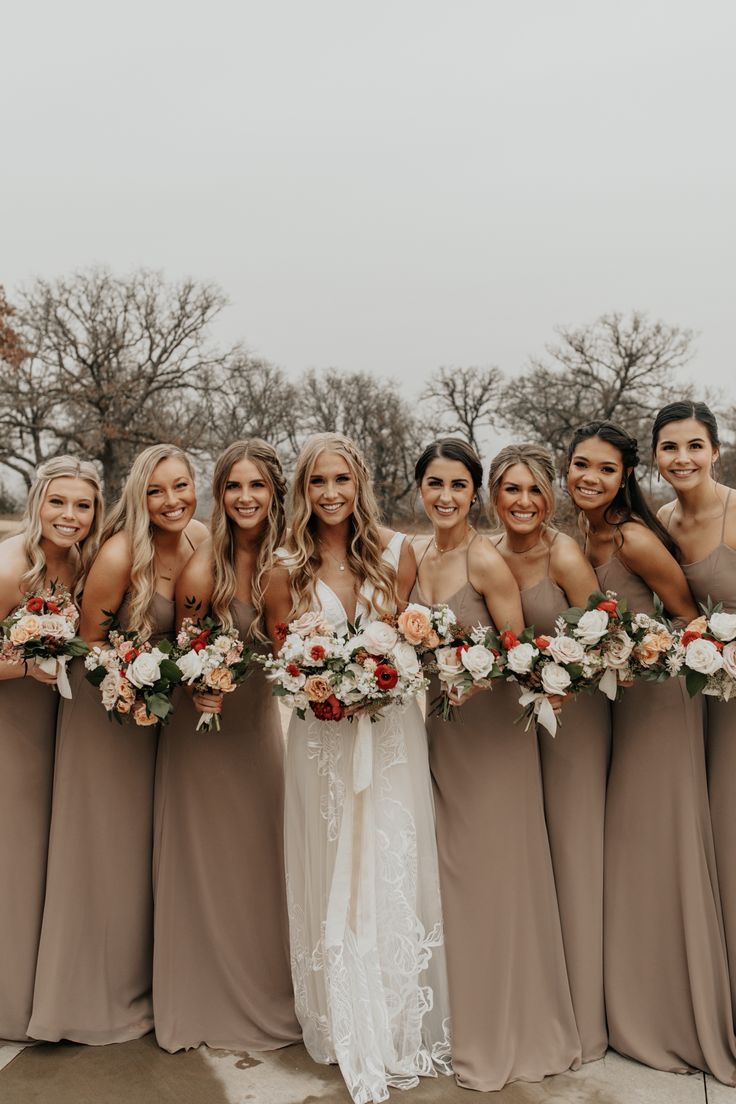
x: 706, y: 654
x: 135, y: 678
x: 466, y: 660
x: 210, y: 659
x: 43, y: 630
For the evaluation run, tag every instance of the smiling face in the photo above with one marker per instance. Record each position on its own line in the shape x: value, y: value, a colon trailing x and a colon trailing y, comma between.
x: 331, y: 489
x: 170, y: 496
x: 447, y: 492
x: 595, y: 474
x: 684, y: 454
x: 67, y: 511
x: 520, y: 502
x: 247, y: 496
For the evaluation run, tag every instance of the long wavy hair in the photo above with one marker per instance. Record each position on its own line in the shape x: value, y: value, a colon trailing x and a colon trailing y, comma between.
x: 266, y: 460
x: 540, y: 463
x: 130, y: 515
x: 629, y: 503
x: 364, y: 552
x: 60, y: 467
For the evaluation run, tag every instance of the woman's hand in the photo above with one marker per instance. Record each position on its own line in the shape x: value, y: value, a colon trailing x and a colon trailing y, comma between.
x: 34, y: 671
x: 557, y: 701
x: 455, y: 698
x: 370, y: 708
x: 208, y: 703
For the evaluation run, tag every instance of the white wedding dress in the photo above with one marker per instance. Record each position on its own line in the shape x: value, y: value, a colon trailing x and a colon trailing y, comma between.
x: 365, y: 920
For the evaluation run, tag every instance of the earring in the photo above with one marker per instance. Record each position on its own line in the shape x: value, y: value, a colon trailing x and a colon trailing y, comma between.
x: 659, y: 476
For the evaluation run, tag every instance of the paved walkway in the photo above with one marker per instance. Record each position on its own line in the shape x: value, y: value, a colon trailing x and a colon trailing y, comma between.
x: 140, y: 1073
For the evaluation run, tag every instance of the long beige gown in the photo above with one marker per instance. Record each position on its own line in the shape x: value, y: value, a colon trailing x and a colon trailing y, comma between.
x: 511, y: 1011
x: 714, y: 577
x: 93, y: 980
x: 665, y: 967
x: 221, y: 972
x: 574, y: 773
x: 27, y: 730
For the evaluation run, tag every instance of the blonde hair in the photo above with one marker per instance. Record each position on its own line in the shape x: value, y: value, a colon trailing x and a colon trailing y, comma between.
x: 540, y: 463
x: 267, y: 461
x: 364, y: 552
x: 60, y: 467
x: 130, y: 515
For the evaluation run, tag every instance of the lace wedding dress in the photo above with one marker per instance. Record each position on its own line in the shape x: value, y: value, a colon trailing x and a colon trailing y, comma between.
x: 367, y: 949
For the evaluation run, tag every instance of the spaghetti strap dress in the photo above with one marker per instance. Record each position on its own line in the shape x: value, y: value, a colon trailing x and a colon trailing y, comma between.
x: 27, y: 732
x: 714, y: 578
x: 665, y: 967
x: 510, y: 1004
x: 221, y: 945
x: 93, y: 979
x: 574, y: 774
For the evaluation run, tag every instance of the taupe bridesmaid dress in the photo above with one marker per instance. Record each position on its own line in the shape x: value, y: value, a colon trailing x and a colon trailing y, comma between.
x: 511, y: 1011
x: 93, y: 980
x: 574, y: 772
x: 715, y: 577
x: 665, y: 967
x: 221, y: 972
x: 27, y: 730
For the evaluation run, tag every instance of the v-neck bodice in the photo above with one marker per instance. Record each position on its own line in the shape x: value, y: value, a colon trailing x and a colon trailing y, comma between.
x: 332, y: 607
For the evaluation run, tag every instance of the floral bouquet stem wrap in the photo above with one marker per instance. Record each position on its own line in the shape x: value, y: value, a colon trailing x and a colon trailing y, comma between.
x: 43, y: 630
x: 210, y: 660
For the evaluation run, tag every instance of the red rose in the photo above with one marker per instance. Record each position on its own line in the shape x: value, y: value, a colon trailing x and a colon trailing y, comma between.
x: 460, y: 649
x: 317, y: 653
x: 610, y: 606
x: 330, y: 710
x: 200, y: 641
x: 495, y: 653
x: 717, y: 643
x: 52, y: 607
x: 386, y: 676
x: 130, y: 656
x: 542, y: 642
x: 34, y: 605
x: 689, y: 636
x: 509, y: 640
x: 281, y: 631
x: 293, y: 670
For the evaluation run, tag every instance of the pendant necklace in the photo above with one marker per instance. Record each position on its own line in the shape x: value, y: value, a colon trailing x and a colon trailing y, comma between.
x: 340, y: 563
x: 453, y: 547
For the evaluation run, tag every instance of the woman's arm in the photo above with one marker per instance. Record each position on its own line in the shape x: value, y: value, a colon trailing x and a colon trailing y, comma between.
x: 104, y: 588
x: 277, y: 603
x: 644, y: 554
x: 194, y: 585
x: 572, y: 571
x: 406, y: 573
x: 491, y: 576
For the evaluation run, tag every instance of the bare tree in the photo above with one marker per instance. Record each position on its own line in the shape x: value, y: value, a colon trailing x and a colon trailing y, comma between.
x: 253, y: 398
x: 620, y: 369
x: 375, y: 415
x: 465, y: 400
x: 113, y: 364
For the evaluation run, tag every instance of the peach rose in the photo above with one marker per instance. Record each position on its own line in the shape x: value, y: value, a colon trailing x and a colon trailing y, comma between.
x: 126, y: 692
x: 415, y: 624
x: 432, y: 641
x: 21, y: 634
x: 220, y: 679
x: 141, y: 716
x: 651, y: 647
x: 123, y: 706
x: 699, y: 625
x: 317, y: 688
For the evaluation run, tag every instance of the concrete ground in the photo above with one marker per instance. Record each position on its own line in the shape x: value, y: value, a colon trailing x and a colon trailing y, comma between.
x: 140, y: 1073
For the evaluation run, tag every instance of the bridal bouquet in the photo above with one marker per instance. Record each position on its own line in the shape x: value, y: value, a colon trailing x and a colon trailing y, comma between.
x: 210, y: 660
x: 43, y: 630
x: 467, y: 660
x: 135, y: 679
x: 706, y: 654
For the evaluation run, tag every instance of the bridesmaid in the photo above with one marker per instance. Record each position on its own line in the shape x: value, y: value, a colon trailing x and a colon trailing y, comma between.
x: 552, y: 574
x: 666, y: 973
x: 702, y: 520
x: 62, y: 521
x: 93, y: 981
x: 511, y: 1009
x: 221, y: 971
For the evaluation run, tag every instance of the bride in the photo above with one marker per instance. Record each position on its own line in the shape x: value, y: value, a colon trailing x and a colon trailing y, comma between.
x: 367, y: 948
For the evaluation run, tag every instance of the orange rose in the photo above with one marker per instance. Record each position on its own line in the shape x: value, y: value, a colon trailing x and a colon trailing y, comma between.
x: 126, y: 694
x: 317, y: 688
x: 699, y: 625
x: 651, y: 647
x: 141, y: 716
x: 432, y: 641
x: 220, y: 679
x: 414, y: 625
x: 122, y: 706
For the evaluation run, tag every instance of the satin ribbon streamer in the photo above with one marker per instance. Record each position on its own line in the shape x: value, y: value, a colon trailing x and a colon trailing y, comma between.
x: 57, y: 666
x: 543, y: 711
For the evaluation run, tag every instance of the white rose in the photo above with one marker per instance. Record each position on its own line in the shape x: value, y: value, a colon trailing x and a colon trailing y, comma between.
x: 448, y: 665
x: 309, y: 624
x: 564, y: 649
x: 191, y: 665
x: 592, y: 626
x: 703, y: 656
x: 723, y: 626
x: 728, y: 655
x: 555, y: 679
x: 618, y: 650
x: 521, y: 657
x: 224, y: 644
x: 146, y: 668
x: 405, y: 659
x: 109, y: 689
x: 478, y: 661
x: 292, y: 648
x: 378, y: 638
x: 52, y: 625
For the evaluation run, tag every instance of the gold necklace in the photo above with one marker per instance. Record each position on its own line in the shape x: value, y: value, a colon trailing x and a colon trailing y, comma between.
x: 340, y: 563
x: 523, y: 551
x: 454, y: 546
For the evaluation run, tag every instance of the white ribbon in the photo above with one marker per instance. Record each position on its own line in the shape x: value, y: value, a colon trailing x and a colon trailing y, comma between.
x: 543, y: 711
x: 609, y: 683
x: 57, y: 666
x: 205, y: 720
x: 363, y: 754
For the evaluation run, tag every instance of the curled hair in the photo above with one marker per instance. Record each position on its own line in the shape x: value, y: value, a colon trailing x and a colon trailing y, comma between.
x: 60, y: 467
x: 540, y: 463
x: 680, y: 412
x: 130, y: 515
x: 629, y: 503
x: 266, y: 460
x: 364, y: 552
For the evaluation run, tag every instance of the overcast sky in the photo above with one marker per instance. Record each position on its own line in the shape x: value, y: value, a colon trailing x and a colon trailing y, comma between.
x: 389, y: 185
